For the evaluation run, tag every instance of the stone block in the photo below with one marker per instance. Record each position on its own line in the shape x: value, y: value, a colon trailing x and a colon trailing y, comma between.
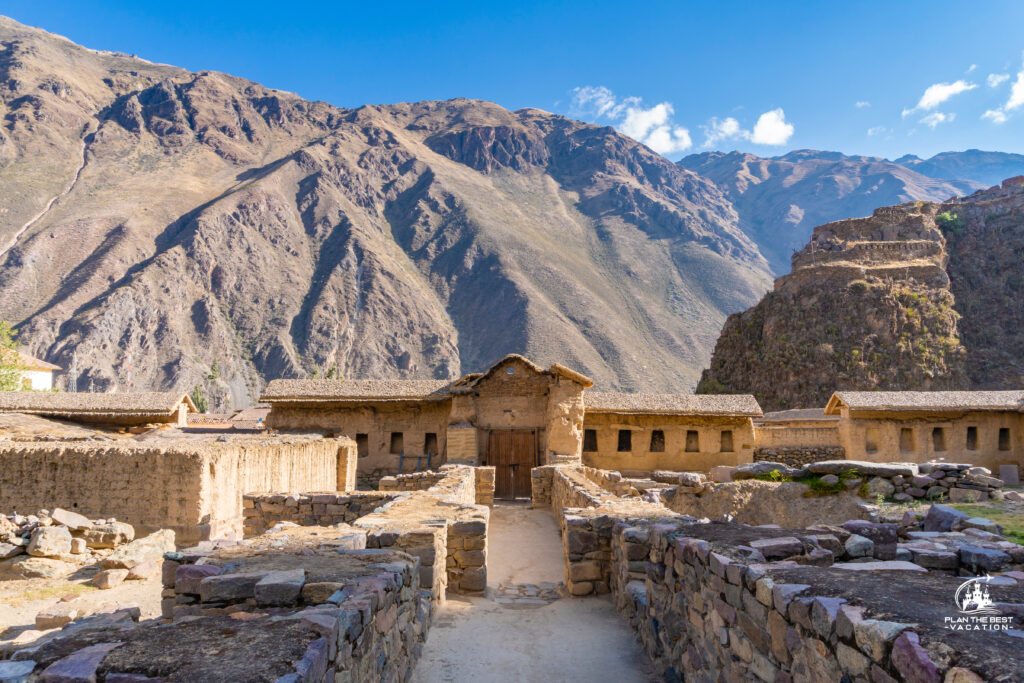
x: 16, y: 671
x: 880, y: 566
x: 109, y: 578
x: 187, y: 577
x: 72, y: 520
x: 1010, y: 474
x: 9, y: 550
x: 874, y: 637
x: 985, y: 559
x: 228, y: 587
x: 960, y: 494
x: 470, y: 558
x: 143, y: 570
x: 912, y: 661
x: 474, y: 579
x: 319, y: 592
x: 588, y: 570
x: 778, y: 548
x: 148, y: 549
x: 279, y: 588
x: 722, y: 473
x: 78, y: 667
x: 858, y: 546
x: 50, y: 541
x: 110, y: 535
x: 942, y: 518
x: 55, y: 617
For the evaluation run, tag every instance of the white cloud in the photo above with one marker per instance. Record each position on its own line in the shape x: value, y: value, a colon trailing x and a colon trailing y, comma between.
x: 938, y: 93
x: 1015, y: 101
x: 995, y: 116
x: 653, y: 126
x: 877, y: 130
x: 1016, y: 92
x: 995, y: 80
x: 971, y: 68
x: 719, y: 130
x: 935, y: 118
x: 772, y: 129
x: 862, y: 104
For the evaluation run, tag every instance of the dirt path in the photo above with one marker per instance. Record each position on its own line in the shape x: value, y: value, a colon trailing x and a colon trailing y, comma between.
x: 524, y: 630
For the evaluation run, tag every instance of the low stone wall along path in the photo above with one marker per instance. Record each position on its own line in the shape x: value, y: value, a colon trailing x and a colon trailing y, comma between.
x: 526, y: 628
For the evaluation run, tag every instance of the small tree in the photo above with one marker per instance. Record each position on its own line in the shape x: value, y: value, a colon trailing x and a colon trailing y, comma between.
x: 199, y: 399
x: 11, y: 367
x: 214, y: 371
x: 332, y: 372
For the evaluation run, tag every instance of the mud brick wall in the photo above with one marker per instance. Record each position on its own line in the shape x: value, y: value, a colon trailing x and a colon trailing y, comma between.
x: 484, y: 485
x: 796, y: 456
x: 264, y: 510
x: 191, y: 487
x: 706, y: 615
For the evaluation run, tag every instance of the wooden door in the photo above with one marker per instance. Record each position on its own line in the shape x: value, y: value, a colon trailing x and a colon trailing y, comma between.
x: 513, y: 453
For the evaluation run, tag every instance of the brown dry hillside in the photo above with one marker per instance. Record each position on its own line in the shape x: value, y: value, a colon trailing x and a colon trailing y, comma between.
x: 179, y: 228
x: 918, y: 296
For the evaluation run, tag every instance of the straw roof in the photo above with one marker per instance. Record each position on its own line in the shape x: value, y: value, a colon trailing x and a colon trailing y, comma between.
x: 33, y: 363
x: 348, y: 390
x: 726, y: 405
x: 63, y: 403
x: 930, y: 401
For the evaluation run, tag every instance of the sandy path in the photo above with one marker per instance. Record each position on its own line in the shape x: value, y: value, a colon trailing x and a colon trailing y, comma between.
x: 577, y: 639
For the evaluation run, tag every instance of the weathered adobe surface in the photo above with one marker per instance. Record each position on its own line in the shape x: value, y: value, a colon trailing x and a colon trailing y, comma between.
x: 216, y: 220
x: 918, y: 296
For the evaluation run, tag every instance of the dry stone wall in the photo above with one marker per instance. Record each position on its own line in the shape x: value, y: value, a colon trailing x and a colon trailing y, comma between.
x: 265, y: 510
x: 707, y: 607
x: 797, y: 456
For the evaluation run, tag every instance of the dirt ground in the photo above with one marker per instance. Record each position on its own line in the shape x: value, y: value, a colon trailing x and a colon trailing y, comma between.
x: 529, y: 639
x: 20, y: 601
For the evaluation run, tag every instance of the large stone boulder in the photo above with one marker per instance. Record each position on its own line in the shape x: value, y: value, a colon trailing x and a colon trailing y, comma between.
x: 28, y: 567
x: 50, y: 541
x: 753, y: 469
x: 110, y: 535
x: 71, y: 520
x: 874, y: 469
x: 942, y: 518
x: 148, y: 549
x: 877, y: 486
x: 884, y: 536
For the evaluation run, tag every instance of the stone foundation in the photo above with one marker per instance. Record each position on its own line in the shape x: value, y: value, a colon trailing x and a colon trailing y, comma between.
x: 797, y: 456
x: 264, y: 510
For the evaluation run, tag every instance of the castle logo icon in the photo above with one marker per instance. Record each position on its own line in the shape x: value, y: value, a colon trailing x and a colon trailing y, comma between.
x: 972, y: 597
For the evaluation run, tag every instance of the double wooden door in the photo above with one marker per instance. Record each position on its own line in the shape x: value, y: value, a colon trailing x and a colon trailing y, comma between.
x: 513, y: 453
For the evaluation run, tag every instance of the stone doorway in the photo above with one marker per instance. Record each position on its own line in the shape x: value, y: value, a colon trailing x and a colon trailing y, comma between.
x: 513, y: 453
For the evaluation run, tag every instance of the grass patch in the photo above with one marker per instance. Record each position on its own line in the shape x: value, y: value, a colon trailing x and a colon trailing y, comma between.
x: 815, y: 486
x: 50, y: 592
x: 1012, y: 522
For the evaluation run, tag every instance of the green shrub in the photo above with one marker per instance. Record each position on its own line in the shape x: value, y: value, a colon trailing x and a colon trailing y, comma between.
x: 950, y: 223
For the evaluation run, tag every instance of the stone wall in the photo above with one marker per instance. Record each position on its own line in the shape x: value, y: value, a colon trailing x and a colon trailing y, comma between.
x: 779, y: 434
x: 193, y: 487
x: 413, y: 481
x: 264, y: 510
x: 705, y: 608
x: 796, y: 456
x: 289, y: 608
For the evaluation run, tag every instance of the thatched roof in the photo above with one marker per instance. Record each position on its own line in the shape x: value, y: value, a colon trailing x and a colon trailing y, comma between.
x: 725, y: 405
x: 33, y: 363
x: 925, y: 401
x: 466, y: 383
x: 797, y: 415
x: 59, y: 403
x: 349, y: 390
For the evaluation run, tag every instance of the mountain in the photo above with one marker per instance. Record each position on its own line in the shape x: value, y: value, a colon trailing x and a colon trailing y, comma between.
x: 987, y: 168
x: 780, y: 200
x: 166, y: 229
x: 918, y: 296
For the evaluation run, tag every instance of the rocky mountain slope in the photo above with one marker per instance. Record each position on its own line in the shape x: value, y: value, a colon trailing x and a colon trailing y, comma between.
x: 917, y: 296
x: 780, y: 200
x: 168, y: 229
x: 987, y: 168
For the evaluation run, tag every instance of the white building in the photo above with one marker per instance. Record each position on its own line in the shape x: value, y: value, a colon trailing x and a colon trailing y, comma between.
x: 37, y: 375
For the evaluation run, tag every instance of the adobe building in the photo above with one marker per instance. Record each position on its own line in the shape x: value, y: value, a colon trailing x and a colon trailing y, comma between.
x: 36, y: 374
x: 112, y: 410
x: 516, y: 416
x: 979, y: 427
x: 667, y: 431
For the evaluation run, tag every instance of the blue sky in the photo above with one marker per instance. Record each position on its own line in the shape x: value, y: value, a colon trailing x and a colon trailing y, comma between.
x: 880, y: 78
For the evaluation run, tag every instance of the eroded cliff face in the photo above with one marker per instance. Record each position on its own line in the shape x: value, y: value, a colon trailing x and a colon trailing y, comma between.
x: 174, y: 228
x: 918, y: 296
